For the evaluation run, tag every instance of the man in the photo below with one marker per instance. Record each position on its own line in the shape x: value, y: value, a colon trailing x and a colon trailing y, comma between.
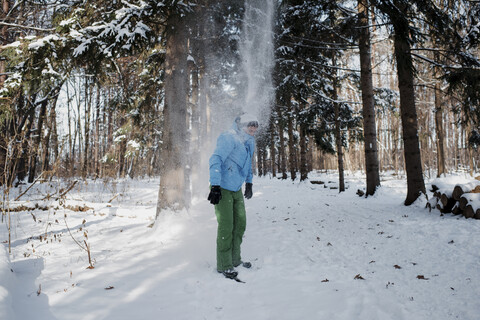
x: 230, y: 166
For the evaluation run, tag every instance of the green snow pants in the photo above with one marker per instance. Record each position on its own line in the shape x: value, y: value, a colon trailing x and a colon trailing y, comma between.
x: 232, y: 221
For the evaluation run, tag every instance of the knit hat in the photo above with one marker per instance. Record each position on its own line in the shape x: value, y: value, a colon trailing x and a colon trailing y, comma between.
x: 247, y: 120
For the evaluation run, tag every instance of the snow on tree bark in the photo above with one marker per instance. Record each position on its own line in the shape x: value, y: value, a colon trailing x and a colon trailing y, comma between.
x: 172, y: 192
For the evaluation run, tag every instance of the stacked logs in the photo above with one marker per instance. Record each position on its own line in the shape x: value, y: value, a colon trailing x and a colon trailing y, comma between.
x: 463, y: 199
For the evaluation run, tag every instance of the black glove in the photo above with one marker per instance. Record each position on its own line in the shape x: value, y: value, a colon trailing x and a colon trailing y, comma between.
x: 248, y: 190
x: 215, y: 195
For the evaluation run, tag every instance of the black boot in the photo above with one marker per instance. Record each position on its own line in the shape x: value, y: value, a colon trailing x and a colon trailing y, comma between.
x: 229, y: 273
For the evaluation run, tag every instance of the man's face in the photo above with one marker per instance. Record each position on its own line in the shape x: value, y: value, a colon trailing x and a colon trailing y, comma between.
x: 251, y: 130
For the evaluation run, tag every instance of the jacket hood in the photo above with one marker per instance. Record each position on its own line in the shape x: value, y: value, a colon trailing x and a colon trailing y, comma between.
x: 238, y: 128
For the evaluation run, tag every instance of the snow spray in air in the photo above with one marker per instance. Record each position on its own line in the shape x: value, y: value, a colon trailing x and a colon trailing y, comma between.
x: 257, y: 56
x: 248, y: 89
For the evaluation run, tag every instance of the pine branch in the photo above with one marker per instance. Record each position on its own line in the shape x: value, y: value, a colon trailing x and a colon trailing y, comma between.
x: 25, y: 27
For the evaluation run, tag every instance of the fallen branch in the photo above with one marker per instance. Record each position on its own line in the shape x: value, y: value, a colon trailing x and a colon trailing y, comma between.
x: 114, y: 198
x: 86, y: 248
x: 33, y: 183
x: 71, y: 235
x: 69, y: 188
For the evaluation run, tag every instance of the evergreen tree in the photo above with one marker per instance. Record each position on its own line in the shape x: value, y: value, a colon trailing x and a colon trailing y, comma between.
x: 308, y: 44
x: 366, y: 83
x: 402, y: 16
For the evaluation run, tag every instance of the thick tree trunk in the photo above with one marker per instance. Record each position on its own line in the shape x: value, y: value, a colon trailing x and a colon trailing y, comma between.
x: 413, y: 161
x: 172, y: 190
x: 366, y: 83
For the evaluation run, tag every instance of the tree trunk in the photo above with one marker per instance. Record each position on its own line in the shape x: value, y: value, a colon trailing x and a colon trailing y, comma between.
x: 122, y: 150
x: 366, y: 83
x: 260, y: 155
x: 24, y: 130
x: 4, y: 40
x: 468, y: 149
x: 292, y: 152
x: 55, y: 137
x: 195, y: 148
x: 88, y: 109
x: 338, y: 133
x: 264, y: 159
x: 273, y: 154
x: 303, y: 152
x: 281, y: 149
x: 172, y: 190
x: 52, y: 132
x: 36, y: 141
x: 413, y: 161
x: 69, y: 155
x: 338, y: 142
x: 80, y: 137
x: 96, y: 155
x: 46, y: 145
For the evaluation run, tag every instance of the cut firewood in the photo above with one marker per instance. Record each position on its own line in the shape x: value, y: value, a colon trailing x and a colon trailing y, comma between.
x: 456, y: 209
x: 462, y: 203
x: 477, y: 214
x: 447, y: 203
x: 457, y: 192
x: 469, y: 212
x: 444, y: 200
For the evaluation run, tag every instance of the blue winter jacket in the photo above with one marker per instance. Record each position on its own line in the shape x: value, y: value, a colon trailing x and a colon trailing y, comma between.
x: 231, y: 162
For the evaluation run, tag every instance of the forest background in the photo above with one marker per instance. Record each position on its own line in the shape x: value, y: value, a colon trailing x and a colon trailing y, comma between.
x: 109, y: 89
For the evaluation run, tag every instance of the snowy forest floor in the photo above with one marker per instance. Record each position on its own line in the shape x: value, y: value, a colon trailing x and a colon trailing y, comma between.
x: 316, y: 254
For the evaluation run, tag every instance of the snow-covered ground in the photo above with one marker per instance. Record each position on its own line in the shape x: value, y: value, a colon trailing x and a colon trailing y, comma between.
x: 316, y: 254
